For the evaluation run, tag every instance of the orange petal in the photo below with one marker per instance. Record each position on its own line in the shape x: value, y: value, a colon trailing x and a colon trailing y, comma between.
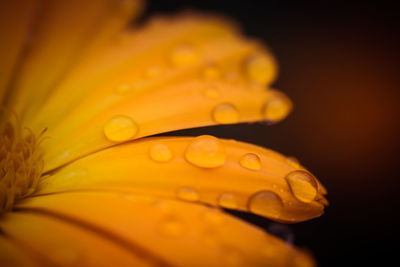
x: 59, y: 243
x: 62, y: 32
x: 13, y: 32
x: 175, y: 232
x: 167, y: 76
x: 13, y: 255
x: 205, y: 169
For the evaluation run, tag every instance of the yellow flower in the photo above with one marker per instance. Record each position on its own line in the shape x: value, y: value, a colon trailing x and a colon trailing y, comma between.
x: 83, y: 184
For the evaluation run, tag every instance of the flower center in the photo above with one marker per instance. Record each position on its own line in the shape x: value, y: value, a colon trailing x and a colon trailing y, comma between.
x: 21, y: 163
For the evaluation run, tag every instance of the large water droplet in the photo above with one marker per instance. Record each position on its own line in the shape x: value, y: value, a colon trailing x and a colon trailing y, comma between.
x: 227, y: 200
x: 266, y: 203
x: 160, y: 153
x: 187, y: 193
x: 183, y: 55
x: 260, y: 68
x: 303, y: 185
x: 171, y: 227
x: 120, y: 128
x: 251, y: 161
x: 225, y: 114
x: 277, y: 107
x: 206, y: 151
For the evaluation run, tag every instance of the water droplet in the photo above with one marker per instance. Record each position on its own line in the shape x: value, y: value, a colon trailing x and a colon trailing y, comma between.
x: 171, y: 227
x: 160, y: 153
x: 225, y: 114
x: 183, y: 55
x: 303, y: 185
x: 206, y: 151
x: 120, y: 128
x: 124, y: 88
x: 227, y: 200
x: 277, y: 107
x: 211, y: 73
x: 251, y: 161
x: 187, y: 193
x: 153, y: 71
x: 260, y: 68
x: 211, y: 93
x: 266, y: 203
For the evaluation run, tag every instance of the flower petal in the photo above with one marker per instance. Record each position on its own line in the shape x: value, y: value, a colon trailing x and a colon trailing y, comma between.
x: 12, y: 255
x: 62, y: 32
x: 176, y: 233
x: 191, y: 71
x: 59, y: 243
x: 13, y: 31
x: 205, y: 169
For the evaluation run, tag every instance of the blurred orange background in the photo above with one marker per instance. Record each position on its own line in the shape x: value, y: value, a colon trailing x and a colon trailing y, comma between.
x: 339, y: 64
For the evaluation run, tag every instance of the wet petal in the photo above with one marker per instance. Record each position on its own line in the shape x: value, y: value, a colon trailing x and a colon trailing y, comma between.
x: 13, y: 31
x: 184, y: 72
x: 174, y: 232
x: 60, y: 243
x: 62, y: 32
x: 204, y: 169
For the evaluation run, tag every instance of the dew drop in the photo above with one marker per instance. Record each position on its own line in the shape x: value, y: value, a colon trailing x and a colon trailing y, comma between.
x: 120, y: 128
x: 211, y: 93
x: 206, y: 151
x: 211, y: 73
x: 251, y: 161
x: 183, y: 55
x: 171, y: 227
x: 160, y: 153
x: 303, y: 185
x: 260, y: 68
x: 227, y: 200
x: 277, y: 107
x: 266, y: 203
x: 187, y: 193
x: 225, y: 114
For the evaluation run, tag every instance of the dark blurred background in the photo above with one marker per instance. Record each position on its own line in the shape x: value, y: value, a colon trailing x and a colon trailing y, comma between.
x: 339, y: 63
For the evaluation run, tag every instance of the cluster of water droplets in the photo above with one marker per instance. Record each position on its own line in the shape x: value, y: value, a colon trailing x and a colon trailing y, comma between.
x: 208, y: 152
x: 258, y: 68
